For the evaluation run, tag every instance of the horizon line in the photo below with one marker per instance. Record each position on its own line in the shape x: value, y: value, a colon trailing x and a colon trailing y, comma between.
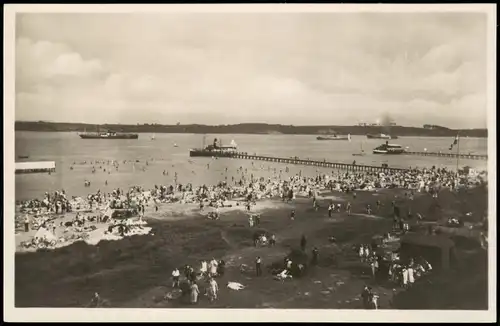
x: 241, y: 123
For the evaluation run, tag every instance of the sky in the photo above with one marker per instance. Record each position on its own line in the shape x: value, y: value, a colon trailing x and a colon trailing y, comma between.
x: 225, y: 68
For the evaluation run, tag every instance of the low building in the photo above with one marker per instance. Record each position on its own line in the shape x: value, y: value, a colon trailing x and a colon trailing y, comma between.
x: 35, y: 167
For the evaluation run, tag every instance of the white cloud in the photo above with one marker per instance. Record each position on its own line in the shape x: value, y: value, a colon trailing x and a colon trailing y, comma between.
x: 316, y: 68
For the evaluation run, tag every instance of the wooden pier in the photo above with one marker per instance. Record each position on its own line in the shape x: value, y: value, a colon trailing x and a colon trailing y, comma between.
x: 450, y: 155
x: 323, y: 164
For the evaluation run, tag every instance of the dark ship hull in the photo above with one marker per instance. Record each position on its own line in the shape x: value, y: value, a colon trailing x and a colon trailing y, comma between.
x: 122, y: 136
x: 208, y: 153
x: 333, y: 138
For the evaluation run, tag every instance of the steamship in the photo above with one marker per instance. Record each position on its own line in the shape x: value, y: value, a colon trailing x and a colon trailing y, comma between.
x: 216, y: 149
x: 334, y: 137
x: 388, y: 149
x: 108, y: 135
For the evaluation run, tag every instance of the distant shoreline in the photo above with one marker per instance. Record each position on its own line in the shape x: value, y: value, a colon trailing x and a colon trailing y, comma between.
x: 249, y: 128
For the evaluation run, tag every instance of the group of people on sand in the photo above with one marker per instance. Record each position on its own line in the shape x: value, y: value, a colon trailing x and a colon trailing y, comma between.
x: 250, y: 186
x: 391, y: 268
x: 189, y: 282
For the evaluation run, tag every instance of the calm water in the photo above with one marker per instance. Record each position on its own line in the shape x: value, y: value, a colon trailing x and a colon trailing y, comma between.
x: 66, y: 148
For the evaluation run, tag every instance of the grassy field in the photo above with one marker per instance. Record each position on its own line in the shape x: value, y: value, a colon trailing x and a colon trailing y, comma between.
x: 135, y: 271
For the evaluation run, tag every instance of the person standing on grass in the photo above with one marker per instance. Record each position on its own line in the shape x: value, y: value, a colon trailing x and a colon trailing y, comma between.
x: 316, y: 205
x: 26, y: 224
x: 315, y: 254
x: 258, y: 268
x: 303, y: 242
x: 366, y: 297
x: 289, y: 265
x: 221, y: 268
x: 348, y: 208
x: 213, y: 267
x: 405, y: 276
x: 213, y: 289
x: 395, y: 223
x: 292, y: 215
x: 361, y: 253
x: 175, y: 278
x: 330, y: 208
x: 195, y: 291
x: 411, y: 275
x: 374, y: 266
x: 272, y: 240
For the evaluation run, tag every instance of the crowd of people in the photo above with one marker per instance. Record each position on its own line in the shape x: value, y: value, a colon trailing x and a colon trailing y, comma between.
x: 245, y: 190
x: 187, y: 285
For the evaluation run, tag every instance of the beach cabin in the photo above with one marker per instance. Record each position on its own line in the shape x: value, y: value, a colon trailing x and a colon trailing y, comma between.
x: 35, y: 167
x: 438, y: 250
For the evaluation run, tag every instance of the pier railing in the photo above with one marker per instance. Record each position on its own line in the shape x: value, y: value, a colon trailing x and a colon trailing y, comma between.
x: 323, y: 164
x: 450, y: 155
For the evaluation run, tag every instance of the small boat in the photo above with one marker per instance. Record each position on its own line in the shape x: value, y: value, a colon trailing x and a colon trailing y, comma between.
x: 381, y: 136
x: 389, y: 149
x: 23, y: 156
x: 175, y: 145
x: 153, y: 137
x: 361, y: 153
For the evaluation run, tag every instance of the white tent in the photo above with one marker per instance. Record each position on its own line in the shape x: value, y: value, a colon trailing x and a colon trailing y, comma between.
x: 43, y: 233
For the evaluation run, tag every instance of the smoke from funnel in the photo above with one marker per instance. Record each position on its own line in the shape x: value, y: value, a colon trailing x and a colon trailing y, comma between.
x: 385, y: 122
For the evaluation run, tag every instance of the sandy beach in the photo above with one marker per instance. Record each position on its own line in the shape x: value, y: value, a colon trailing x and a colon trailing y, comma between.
x: 135, y: 271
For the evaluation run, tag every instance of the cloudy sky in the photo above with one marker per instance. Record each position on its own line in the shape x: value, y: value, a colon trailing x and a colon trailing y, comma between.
x: 288, y: 68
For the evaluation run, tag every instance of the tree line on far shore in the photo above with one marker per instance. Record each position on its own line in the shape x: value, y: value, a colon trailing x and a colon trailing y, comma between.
x: 248, y: 128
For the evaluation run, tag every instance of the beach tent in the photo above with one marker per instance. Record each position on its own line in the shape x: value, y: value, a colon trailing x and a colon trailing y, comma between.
x: 43, y: 233
x: 436, y: 249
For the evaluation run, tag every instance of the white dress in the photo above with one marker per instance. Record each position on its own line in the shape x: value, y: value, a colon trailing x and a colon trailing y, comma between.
x: 204, y: 267
x: 411, y: 277
x: 405, y: 276
x: 213, y: 267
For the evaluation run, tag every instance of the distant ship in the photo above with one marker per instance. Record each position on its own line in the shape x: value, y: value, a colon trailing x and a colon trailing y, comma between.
x: 108, y: 135
x: 153, y: 137
x: 214, y: 150
x: 381, y: 136
x: 388, y: 149
x: 334, y: 137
